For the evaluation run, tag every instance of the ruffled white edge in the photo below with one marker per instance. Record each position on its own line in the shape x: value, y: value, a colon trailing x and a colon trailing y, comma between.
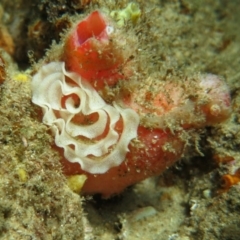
x: 49, y: 85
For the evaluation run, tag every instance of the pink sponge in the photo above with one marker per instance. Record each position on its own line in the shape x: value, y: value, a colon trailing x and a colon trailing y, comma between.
x: 97, y: 50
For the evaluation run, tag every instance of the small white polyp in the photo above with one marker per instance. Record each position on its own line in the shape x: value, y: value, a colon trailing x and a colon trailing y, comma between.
x: 49, y: 86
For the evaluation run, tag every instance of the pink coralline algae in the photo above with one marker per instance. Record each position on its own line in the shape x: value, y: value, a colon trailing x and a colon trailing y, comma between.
x: 139, y: 133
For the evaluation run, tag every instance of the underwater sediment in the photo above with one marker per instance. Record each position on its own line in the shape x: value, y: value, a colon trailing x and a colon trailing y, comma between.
x: 176, y: 42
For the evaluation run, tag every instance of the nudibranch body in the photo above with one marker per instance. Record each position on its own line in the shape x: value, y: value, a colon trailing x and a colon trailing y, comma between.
x: 118, y: 143
x: 83, y: 124
x: 96, y: 136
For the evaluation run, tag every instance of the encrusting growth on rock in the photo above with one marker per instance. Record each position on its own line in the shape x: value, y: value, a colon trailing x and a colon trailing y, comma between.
x: 229, y: 180
x: 2, y: 70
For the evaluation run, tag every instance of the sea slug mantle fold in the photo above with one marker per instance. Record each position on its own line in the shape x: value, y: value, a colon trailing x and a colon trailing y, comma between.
x: 84, y: 125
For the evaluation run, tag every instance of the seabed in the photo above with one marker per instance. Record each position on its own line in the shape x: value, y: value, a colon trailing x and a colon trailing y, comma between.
x: 187, y: 201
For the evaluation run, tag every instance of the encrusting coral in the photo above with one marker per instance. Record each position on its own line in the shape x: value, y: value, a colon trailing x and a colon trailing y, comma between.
x: 118, y: 142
